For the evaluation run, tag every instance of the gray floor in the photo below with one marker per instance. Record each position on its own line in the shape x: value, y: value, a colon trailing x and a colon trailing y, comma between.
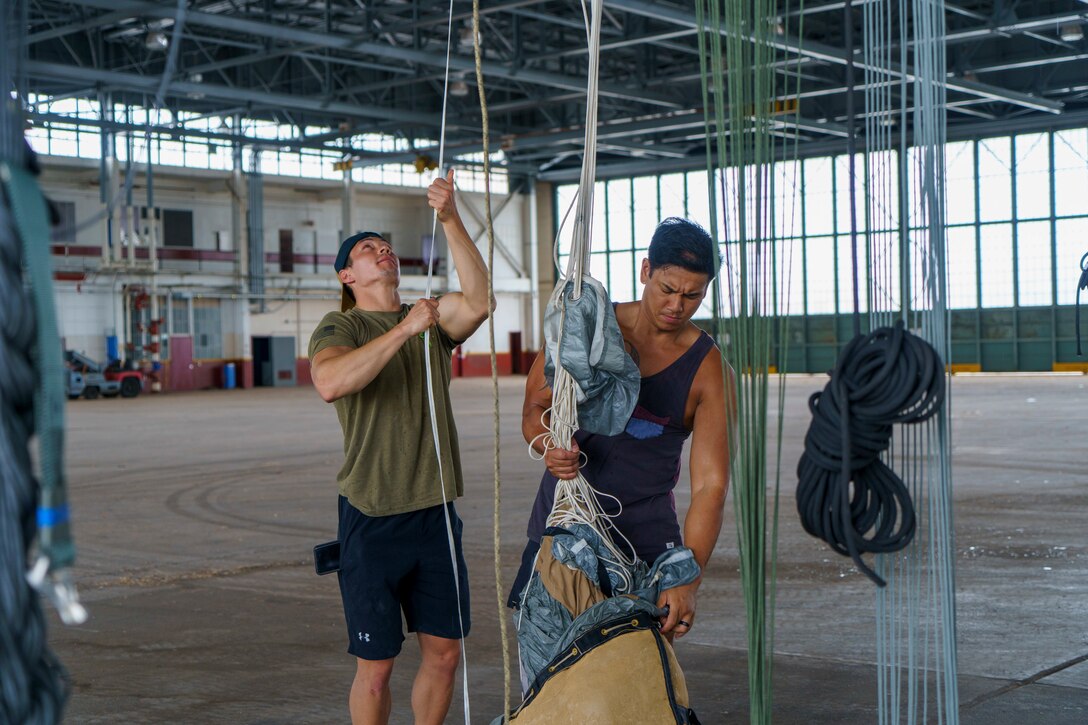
x: 195, y: 515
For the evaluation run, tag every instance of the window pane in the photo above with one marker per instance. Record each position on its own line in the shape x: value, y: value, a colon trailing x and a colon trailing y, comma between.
x: 621, y: 276
x: 842, y: 192
x: 646, y: 216
x: 818, y: 207
x: 1072, y: 243
x: 726, y: 190
x: 698, y: 200
x: 1032, y: 176
x: 598, y: 240
x: 564, y: 215
x: 208, y: 335
x: 820, y: 275
x: 997, y: 281
x: 787, y: 198
x: 598, y: 266
x: 1070, y: 171
x: 180, y: 314
x: 883, y: 193
x: 1033, y: 263
x: 846, y: 274
x: 994, y: 180
x: 672, y: 195
x: 619, y: 215
x: 883, y: 271
x: 962, y: 273
x: 960, y: 170
x: 788, y: 263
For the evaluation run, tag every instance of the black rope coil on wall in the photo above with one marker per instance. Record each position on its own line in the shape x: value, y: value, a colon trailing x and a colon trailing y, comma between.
x: 32, y: 688
x: 888, y: 376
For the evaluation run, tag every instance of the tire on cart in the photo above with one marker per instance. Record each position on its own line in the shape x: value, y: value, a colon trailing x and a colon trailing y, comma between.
x: 90, y: 392
x: 130, y: 387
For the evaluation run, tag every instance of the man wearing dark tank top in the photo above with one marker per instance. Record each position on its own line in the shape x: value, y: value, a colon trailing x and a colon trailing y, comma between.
x: 683, y: 392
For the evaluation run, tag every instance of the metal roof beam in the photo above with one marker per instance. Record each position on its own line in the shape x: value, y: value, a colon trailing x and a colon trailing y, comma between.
x: 355, y: 45
x: 149, y: 84
x: 835, y: 55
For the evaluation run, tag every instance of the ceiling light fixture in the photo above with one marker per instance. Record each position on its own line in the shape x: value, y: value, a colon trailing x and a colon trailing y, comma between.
x: 156, y: 40
x: 1071, y: 32
x: 459, y: 89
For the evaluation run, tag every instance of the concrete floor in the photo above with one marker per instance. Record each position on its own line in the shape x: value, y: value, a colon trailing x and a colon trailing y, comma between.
x: 195, y: 515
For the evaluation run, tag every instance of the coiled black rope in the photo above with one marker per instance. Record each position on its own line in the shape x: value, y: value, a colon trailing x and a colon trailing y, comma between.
x: 888, y: 376
x: 1081, y: 285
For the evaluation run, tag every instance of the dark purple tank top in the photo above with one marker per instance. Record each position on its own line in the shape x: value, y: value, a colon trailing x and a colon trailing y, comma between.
x: 641, y: 465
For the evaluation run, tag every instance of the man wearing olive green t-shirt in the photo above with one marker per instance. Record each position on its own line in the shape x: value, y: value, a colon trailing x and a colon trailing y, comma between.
x: 368, y: 360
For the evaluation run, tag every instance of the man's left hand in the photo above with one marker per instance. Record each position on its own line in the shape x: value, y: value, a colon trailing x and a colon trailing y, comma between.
x: 681, y: 604
x: 440, y: 198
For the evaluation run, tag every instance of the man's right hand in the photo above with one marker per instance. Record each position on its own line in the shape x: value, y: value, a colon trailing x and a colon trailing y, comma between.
x: 423, y: 315
x: 562, y: 463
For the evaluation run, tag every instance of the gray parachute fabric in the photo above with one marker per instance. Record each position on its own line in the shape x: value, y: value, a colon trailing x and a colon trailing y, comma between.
x: 583, y: 334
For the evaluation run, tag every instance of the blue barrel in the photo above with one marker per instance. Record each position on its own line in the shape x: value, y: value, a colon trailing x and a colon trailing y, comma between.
x: 113, y: 350
x: 229, y: 378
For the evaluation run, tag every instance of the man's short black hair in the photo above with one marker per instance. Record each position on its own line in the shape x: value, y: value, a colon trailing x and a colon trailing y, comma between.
x: 684, y: 243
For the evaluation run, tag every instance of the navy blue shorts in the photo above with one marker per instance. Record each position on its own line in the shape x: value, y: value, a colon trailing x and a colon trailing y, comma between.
x: 397, y: 564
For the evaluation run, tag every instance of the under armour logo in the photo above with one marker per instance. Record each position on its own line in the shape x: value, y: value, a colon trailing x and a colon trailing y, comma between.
x: 364, y: 636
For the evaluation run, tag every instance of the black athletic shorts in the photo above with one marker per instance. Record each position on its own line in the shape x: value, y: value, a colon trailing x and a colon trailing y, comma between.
x: 395, y: 564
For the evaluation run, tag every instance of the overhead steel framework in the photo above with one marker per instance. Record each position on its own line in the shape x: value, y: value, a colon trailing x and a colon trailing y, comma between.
x: 351, y: 67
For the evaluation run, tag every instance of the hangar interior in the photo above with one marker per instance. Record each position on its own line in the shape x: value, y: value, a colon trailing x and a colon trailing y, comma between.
x: 206, y: 157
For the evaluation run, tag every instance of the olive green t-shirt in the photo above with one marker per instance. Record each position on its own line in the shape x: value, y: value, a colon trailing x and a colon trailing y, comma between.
x: 390, y: 465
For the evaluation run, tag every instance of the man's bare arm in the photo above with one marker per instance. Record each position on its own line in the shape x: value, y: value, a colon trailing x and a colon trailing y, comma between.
x: 538, y: 399
x: 709, y: 473
x: 339, y: 371
x: 462, y: 312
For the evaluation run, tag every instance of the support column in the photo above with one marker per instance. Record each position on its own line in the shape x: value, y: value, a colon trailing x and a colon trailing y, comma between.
x: 347, y: 224
x: 534, y: 341
x: 255, y: 218
x: 238, y: 212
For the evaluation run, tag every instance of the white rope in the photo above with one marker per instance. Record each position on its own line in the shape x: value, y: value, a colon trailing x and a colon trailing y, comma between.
x: 432, y: 382
x: 576, y: 501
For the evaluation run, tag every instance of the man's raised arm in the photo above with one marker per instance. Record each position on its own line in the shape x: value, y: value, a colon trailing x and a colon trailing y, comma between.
x: 462, y: 312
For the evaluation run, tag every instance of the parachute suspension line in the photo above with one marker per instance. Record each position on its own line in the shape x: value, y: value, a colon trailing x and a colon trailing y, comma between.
x: 427, y: 337
x: 750, y: 311
x: 906, y: 253
x: 576, y: 501
x: 496, y: 536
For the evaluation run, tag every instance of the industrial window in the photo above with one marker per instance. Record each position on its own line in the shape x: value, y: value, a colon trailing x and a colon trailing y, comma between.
x: 65, y: 230
x: 1033, y: 263
x: 208, y: 331
x: 960, y: 184
x: 1033, y: 176
x: 962, y: 270
x: 1070, y: 171
x: 177, y: 228
x: 997, y: 278
x: 179, y: 307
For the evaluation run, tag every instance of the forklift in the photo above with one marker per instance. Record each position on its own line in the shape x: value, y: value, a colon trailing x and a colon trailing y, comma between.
x: 89, y: 378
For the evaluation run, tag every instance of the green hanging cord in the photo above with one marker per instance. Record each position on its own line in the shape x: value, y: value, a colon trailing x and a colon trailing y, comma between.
x: 50, y: 573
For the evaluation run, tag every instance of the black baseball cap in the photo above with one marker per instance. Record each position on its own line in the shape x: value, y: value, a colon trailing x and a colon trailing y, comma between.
x: 347, y: 299
x: 349, y: 244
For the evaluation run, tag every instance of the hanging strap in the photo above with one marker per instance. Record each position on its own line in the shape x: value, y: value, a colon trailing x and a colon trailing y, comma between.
x: 457, y: 583
x: 1081, y: 285
x: 56, y: 552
